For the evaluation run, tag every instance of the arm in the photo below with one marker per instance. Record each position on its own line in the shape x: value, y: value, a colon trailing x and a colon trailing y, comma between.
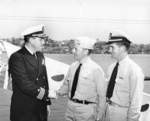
x: 43, y: 92
x: 101, y: 91
x: 136, y: 93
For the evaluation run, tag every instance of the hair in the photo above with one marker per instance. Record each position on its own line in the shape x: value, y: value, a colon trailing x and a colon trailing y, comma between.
x: 26, y: 39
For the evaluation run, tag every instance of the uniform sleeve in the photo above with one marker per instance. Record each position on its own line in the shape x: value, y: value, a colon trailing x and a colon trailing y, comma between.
x: 101, y: 91
x: 20, y: 76
x: 64, y: 89
x: 43, y: 92
x: 136, y: 94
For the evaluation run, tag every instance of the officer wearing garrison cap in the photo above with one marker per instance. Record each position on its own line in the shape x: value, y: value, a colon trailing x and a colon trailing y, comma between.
x: 29, y: 80
x: 125, y: 81
x: 84, y: 85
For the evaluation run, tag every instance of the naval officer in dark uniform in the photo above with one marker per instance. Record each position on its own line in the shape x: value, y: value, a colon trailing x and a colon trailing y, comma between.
x: 29, y: 78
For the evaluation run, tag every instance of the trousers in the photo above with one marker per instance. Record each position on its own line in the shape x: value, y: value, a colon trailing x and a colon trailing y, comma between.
x: 80, y: 112
x: 115, y: 113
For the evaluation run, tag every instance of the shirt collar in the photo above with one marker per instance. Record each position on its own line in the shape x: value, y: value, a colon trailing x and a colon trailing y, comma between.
x: 30, y: 51
x: 84, y: 60
x: 124, y: 60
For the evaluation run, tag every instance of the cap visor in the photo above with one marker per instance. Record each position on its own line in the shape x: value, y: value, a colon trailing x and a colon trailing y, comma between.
x: 40, y: 35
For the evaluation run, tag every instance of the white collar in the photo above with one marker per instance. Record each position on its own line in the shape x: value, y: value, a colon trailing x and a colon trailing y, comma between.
x: 85, y: 59
x: 29, y: 49
x: 124, y: 60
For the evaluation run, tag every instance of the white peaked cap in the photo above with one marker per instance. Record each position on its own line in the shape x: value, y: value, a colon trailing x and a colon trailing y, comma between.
x: 117, y: 36
x: 86, y: 42
x: 120, y: 33
x: 33, y: 30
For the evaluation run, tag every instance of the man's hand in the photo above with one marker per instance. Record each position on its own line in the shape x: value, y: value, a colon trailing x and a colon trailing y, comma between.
x: 58, y: 93
x: 52, y: 94
x: 41, y: 92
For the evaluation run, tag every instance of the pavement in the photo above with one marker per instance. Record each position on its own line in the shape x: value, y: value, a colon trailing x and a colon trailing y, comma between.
x: 58, y: 106
x: 5, y: 96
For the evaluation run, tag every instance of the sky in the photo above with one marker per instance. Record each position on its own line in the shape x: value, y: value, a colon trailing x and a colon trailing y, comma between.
x: 67, y: 19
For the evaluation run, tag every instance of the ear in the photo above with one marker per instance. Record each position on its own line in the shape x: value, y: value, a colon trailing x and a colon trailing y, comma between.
x: 30, y: 40
x: 86, y: 51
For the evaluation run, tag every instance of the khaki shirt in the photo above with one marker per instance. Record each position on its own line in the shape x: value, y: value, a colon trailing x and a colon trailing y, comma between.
x: 128, y: 90
x: 91, y: 83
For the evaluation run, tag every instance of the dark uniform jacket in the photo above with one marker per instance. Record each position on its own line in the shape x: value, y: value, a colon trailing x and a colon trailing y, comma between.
x: 28, y: 75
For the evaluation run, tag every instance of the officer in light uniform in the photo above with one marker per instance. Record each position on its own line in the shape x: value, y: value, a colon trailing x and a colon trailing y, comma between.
x: 88, y: 101
x: 126, y: 100
x: 29, y: 80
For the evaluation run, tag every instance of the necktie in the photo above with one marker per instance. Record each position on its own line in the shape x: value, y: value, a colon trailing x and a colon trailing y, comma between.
x: 75, y: 81
x: 112, y: 82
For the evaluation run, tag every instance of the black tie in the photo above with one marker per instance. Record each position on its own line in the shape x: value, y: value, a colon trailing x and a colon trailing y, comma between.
x: 75, y: 81
x: 112, y: 82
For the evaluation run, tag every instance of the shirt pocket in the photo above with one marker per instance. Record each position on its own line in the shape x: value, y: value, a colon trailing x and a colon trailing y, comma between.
x: 122, y: 85
x: 86, y: 86
x: 87, y: 79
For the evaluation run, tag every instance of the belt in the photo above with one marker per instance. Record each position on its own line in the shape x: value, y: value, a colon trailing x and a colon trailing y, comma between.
x: 82, y: 101
x: 115, y: 104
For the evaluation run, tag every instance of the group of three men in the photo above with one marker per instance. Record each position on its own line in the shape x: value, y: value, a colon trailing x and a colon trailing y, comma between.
x: 93, y: 95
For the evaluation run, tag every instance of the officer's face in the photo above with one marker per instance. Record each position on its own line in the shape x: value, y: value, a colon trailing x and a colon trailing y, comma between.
x: 78, y: 52
x: 37, y: 43
x: 115, y: 50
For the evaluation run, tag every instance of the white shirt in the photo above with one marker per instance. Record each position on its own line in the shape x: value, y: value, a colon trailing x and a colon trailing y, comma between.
x: 91, y: 83
x: 128, y: 90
